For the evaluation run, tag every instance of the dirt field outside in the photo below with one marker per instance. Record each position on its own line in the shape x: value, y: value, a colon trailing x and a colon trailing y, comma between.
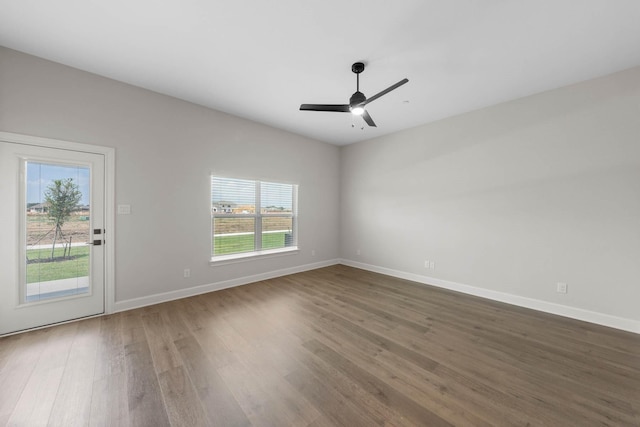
x: 40, y: 229
x: 246, y: 225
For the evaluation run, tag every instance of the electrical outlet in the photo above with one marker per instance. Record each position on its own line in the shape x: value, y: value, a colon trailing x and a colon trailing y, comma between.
x: 432, y: 265
x: 187, y: 272
x: 426, y: 264
x: 358, y: 252
x: 313, y: 252
x: 561, y: 288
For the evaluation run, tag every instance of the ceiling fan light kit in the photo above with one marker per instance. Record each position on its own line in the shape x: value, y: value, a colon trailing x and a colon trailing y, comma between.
x: 358, y: 100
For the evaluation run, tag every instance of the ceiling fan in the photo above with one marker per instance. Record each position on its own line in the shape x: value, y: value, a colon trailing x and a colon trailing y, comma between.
x: 357, y: 102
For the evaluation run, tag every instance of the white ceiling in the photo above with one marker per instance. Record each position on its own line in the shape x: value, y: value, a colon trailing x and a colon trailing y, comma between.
x: 261, y: 59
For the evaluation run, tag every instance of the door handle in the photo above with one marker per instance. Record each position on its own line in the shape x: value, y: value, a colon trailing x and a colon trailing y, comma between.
x: 95, y: 242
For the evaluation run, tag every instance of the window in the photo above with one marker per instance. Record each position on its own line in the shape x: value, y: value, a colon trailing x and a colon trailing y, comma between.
x: 252, y: 217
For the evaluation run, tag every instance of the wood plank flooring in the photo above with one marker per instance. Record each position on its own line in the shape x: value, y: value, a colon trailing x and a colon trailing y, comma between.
x: 336, y: 346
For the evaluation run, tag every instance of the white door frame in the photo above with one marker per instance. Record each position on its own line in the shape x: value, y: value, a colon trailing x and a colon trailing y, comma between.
x: 109, y: 183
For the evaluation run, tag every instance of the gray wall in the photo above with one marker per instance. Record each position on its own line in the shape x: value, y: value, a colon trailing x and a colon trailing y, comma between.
x: 165, y: 152
x: 513, y: 198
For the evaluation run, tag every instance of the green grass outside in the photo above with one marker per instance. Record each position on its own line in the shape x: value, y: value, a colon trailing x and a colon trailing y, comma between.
x: 223, y: 245
x: 46, y: 271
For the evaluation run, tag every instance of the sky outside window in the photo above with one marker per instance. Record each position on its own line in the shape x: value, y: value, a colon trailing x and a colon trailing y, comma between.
x: 41, y: 175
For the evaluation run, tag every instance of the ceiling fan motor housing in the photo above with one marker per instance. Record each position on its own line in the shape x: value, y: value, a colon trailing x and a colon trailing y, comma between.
x: 357, y: 99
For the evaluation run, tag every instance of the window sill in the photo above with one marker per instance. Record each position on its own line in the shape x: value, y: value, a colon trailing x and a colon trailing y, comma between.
x: 250, y: 256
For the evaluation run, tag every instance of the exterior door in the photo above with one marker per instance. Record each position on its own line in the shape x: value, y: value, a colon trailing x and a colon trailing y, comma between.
x: 51, y: 235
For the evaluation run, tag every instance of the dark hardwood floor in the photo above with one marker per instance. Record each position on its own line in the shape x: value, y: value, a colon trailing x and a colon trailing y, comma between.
x: 336, y: 346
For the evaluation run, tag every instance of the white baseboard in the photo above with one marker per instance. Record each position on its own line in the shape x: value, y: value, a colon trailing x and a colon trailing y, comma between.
x: 203, y: 289
x: 624, y: 324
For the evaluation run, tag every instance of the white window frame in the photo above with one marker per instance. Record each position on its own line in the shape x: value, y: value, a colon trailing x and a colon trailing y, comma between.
x: 258, y: 216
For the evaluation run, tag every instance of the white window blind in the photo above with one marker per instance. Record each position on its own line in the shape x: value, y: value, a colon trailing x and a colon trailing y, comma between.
x: 252, y: 216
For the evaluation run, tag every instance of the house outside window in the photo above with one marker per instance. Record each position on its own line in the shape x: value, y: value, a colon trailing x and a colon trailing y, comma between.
x: 250, y: 218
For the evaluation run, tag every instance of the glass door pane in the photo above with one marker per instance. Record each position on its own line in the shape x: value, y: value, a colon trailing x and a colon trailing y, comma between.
x: 57, y: 219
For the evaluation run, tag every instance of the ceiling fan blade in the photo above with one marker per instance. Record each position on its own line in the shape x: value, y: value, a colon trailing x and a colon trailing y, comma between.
x: 367, y: 118
x: 339, y: 108
x: 384, y: 92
